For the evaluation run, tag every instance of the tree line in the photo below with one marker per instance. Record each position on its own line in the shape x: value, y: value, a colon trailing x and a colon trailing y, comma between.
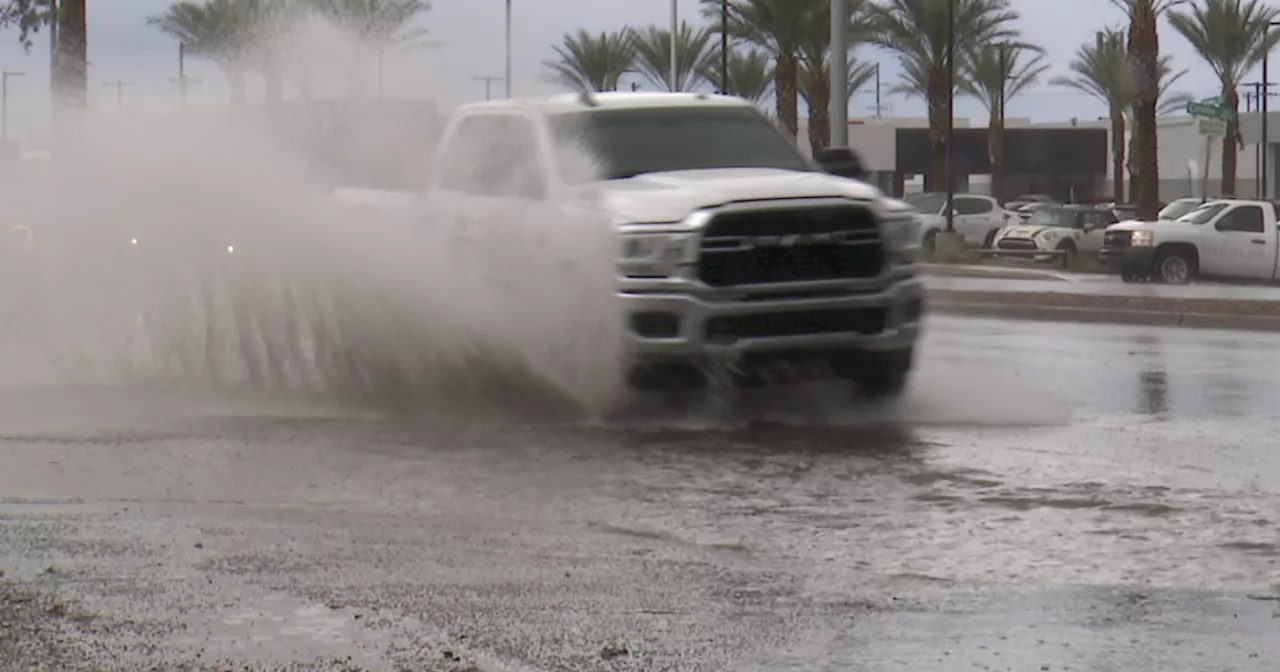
x: 782, y: 47
x: 242, y: 37
x: 776, y: 46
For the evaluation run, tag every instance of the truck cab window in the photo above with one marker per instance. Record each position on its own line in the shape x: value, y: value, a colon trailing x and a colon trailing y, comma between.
x: 492, y: 155
x: 1244, y: 219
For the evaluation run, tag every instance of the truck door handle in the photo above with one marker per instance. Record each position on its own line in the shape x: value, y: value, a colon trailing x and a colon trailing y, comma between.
x: 1258, y: 241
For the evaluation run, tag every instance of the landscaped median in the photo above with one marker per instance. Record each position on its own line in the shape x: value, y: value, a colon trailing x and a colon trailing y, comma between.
x: 1260, y: 315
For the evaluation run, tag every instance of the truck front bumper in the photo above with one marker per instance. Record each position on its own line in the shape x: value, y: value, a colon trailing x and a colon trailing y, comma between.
x: 1138, y: 261
x: 675, y: 339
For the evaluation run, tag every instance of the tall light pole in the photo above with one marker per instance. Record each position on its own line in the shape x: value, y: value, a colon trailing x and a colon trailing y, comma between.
x: 951, y: 114
x: 507, y: 79
x: 839, y: 112
x: 675, y: 32
x: 1266, y: 93
x: 4, y: 101
x: 119, y: 86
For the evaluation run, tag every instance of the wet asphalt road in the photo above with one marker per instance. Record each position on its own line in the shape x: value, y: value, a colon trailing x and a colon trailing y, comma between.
x: 1049, y: 497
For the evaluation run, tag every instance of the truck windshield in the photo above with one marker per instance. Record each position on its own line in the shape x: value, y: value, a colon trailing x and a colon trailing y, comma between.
x: 637, y: 141
x: 1203, y: 213
x: 1178, y: 208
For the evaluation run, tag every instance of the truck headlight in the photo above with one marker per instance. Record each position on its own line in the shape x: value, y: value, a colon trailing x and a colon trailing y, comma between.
x: 655, y: 255
x: 902, y: 235
x: 1142, y: 238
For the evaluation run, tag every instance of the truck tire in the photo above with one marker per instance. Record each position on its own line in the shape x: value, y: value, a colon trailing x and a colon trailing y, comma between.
x: 1175, y: 267
x: 883, y: 375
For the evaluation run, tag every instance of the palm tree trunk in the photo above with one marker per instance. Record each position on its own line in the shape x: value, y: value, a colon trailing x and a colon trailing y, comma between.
x: 938, y: 113
x: 995, y: 152
x: 239, y: 89
x: 784, y: 82
x: 1144, y: 53
x: 1118, y: 143
x: 1230, y: 145
x: 71, y: 81
x: 819, y: 113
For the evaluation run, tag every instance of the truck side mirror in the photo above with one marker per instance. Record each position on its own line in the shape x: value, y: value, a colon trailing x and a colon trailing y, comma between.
x: 841, y: 162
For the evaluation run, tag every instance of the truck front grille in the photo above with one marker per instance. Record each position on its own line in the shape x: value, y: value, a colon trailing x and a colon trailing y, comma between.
x: 832, y: 242
x: 865, y: 321
x: 1117, y: 239
x: 1016, y: 244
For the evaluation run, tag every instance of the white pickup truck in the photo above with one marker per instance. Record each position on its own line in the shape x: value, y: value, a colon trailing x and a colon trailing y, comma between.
x: 1225, y: 238
x: 729, y: 240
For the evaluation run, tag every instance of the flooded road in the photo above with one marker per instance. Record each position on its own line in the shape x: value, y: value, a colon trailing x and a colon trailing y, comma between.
x: 1049, y: 497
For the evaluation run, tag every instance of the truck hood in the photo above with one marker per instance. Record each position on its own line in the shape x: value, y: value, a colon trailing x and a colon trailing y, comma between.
x: 669, y: 197
x: 1136, y: 224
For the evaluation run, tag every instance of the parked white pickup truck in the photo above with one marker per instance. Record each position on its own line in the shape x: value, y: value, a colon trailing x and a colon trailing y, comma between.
x: 1224, y: 238
x: 729, y: 239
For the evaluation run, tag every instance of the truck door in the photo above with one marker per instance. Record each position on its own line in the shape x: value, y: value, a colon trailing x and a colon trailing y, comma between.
x: 1241, y: 244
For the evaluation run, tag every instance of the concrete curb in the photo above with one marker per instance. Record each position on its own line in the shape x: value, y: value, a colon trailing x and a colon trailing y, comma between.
x: 1145, y: 318
x: 991, y: 273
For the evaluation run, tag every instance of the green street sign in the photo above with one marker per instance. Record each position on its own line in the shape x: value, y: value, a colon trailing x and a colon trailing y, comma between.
x: 1213, y: 127
x: 1215, y: 100
x: 1210, y: 111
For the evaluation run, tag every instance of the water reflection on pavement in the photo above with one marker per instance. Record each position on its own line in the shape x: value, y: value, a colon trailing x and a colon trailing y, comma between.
x: 1049, y: 497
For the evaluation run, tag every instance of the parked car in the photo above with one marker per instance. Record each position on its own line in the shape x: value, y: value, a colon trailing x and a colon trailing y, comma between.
x: 1030, y: 198
x: 1025, y: 211
x: 1059, y: 228
x: 978, y: 218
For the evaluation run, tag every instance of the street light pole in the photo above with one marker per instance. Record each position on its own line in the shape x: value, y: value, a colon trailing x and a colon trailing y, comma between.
x: 724, y: 47
x: 4, y: 101
x: 839, y: 112
x: 507, y: 80
x: 675, y: 31
x: 951, y: 114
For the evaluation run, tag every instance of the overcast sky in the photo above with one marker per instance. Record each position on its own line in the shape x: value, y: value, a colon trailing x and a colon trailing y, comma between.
x: 123, y: 47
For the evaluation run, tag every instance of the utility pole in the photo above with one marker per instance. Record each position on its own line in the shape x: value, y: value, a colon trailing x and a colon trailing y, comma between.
x: 675, y: 33
x: 4, y: 101
x: 878, y: 105
x: 182, y: 73
x: 951, y: 116
x: 1266, y: 85
x: 839, y: 112
x: 507, y: 78
x: 1259, y: 104
x: 488, y: 85
x: 119, y: 85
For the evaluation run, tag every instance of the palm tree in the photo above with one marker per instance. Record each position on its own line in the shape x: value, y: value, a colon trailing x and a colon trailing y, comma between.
x: 377, y: 25
x: 814, y: 81
x: 750, y: 74
x: 29, y: 16
x: 779, y: 28
x: 995, y: 74
x: 1232, y: 37
x: 694, y: 52
x: 916, y: 30
x: 1144, y: 62
x: 217, y: 30
x: 1167, y: 102
x: 1101, y: 69
x: 593, y: 63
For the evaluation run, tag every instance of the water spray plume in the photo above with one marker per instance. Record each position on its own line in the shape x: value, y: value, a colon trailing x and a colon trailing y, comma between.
x: 207, y: 248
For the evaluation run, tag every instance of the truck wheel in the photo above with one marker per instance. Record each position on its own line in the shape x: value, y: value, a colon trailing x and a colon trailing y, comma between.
x: 883, y: 375
x: 1175, y: 267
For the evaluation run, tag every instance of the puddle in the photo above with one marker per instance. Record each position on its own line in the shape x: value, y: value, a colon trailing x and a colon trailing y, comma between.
x: 279, y: 630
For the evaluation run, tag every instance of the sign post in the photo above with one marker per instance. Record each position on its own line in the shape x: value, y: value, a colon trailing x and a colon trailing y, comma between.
x: 1211, y: 120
